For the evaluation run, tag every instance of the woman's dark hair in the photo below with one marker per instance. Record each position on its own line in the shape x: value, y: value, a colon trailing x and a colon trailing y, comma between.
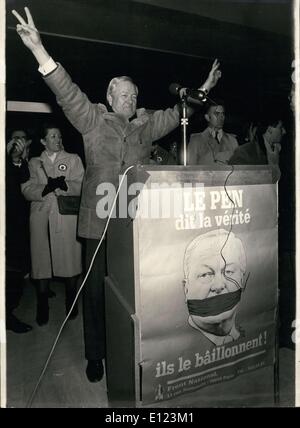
x: 46, y: 126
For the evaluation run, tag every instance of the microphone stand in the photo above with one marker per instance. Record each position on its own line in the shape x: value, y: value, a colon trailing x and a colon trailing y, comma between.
x: 184, y: 121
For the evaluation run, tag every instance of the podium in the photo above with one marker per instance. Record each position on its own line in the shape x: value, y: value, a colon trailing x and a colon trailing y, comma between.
x: 155, y: 355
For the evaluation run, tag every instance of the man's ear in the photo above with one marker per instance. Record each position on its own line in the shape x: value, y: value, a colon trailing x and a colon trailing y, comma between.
x: 43, y: 142
x: 109, y: 99
x: 206, y: 117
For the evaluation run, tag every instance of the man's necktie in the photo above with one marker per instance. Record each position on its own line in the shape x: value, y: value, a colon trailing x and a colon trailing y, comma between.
x: 217, y: 135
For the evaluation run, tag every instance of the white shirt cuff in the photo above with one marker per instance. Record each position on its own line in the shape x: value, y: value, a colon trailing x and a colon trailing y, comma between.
x: 49, y: 66
x: 19, y: 163
x: 202, y: 88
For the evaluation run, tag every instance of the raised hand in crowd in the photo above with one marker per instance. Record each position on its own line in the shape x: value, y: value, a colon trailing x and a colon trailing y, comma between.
x: 252, y: 132
x: 273, y: 151
x: 16, y: 148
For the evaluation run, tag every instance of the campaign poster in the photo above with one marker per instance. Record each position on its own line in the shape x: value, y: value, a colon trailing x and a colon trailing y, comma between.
x: 207, y: 288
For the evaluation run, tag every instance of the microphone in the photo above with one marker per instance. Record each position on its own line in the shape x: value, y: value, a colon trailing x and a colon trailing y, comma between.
x: 196, y: 96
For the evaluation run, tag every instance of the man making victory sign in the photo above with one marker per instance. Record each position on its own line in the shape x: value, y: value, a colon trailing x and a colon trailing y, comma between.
x: 114, y: 138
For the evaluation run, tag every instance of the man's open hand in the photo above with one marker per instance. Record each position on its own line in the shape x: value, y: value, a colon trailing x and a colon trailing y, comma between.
x: 214, y: 75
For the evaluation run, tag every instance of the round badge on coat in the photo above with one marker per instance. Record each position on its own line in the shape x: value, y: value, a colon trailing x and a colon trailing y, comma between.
x: 62, y: 167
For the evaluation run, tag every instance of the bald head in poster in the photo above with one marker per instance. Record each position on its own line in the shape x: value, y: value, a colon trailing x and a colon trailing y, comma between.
x: 214, y: 271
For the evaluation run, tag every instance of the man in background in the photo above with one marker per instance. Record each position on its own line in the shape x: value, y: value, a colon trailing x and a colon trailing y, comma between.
x: 265, y: 149
x: 17, y: 227
x: 213, y: 145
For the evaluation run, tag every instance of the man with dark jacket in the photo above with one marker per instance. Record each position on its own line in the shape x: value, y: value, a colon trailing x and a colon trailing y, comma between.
x: 17, y: 227
x: 113, y: 141
x: 265, y: 149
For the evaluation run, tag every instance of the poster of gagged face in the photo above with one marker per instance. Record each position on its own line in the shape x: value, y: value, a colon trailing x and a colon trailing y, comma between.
x: 208, y: 288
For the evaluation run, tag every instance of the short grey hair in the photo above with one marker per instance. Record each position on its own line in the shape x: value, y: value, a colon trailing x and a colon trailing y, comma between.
x: 217, y: 233
x: 115, y: 81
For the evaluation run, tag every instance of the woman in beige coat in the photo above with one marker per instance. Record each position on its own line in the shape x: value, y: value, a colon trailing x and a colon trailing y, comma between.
x: 55, y: 251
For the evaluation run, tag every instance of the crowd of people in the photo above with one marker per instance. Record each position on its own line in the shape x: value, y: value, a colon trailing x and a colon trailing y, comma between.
x: 115, y: 136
